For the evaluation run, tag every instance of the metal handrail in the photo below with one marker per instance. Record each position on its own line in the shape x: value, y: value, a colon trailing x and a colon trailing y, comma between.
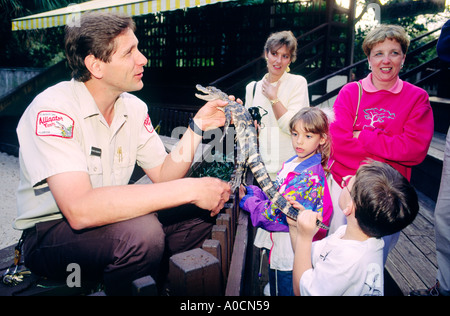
x: 427, y: 46
x: 256, y: 60
x: 358, y: 63
x: 323, y: 79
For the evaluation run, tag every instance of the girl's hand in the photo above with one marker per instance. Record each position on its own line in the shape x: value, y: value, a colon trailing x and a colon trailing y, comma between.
x: 306, y: 223
x: 296, y: 205
x: 242, y: 192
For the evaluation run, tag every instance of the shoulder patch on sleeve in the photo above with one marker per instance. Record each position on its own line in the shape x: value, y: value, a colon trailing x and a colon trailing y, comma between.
x: 148, y: 124
x: 52, y: 123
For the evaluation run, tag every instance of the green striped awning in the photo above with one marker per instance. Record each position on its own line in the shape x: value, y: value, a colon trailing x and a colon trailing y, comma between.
x: 61, y: 17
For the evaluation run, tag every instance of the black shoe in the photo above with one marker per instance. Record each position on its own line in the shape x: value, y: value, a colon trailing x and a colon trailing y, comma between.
x: 432, y: 291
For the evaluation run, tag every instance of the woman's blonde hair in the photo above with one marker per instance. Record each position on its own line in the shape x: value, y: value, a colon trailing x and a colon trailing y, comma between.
x: 380, y: 33
x: 315, y: 121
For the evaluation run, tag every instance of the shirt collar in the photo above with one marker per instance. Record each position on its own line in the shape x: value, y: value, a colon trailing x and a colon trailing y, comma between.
x: 276, y: 82
x: 368, y: 86
x: 89, y: 107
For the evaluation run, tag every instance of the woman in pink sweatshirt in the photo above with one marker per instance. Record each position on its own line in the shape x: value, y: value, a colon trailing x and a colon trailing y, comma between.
x: 394, y: 121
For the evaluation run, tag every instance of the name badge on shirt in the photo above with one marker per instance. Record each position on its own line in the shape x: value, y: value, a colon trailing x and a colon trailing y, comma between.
x: 96, y: 151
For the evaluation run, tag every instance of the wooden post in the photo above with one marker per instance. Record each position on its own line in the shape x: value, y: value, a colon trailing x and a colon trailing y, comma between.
x: 144, y: 286
x: 213, y: 247
x: 194, y: 272
x: 225, y: 219
x: 219, y: 232
x: 237, y: 266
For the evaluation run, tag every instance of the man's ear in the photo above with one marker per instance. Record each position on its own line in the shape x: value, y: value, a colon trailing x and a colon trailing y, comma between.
x: 94, y: 66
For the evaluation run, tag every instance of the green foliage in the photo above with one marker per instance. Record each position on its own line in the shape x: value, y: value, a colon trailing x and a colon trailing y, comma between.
x: 415, y: 24
x: 34, y: 48
x: 221, y: 167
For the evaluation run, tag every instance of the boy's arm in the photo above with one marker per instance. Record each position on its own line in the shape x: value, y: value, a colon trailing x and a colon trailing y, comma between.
x: 302, y: 244
x: 293, y: 224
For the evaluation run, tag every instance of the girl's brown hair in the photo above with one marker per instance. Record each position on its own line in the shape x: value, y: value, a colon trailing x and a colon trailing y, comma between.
x: 315, y: 121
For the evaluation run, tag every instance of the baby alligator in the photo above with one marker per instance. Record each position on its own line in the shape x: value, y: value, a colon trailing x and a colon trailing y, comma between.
x: 248, y: 154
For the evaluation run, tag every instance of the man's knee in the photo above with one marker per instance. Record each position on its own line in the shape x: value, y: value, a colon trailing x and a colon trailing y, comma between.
x: 138, y: 253
x: 142, y: 238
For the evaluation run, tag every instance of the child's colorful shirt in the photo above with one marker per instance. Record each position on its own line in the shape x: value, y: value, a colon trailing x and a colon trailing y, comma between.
x: 305, y: 182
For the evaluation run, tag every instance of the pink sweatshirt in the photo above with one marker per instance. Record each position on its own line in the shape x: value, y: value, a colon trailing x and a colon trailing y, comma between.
x: 396, y: 127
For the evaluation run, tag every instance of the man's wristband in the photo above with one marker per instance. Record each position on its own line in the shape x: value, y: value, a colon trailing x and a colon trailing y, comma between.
x: 197, y: 130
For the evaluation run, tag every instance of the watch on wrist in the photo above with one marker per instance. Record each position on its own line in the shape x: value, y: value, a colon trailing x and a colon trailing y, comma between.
x: 197, y: 130
x: 274, y: 101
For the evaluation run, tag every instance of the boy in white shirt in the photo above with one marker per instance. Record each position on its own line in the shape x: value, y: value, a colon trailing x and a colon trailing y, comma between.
x: 377, y: 201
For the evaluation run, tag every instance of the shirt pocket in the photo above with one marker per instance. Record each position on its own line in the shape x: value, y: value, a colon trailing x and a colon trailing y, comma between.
x: 95, y: 170
x: 124, y: 164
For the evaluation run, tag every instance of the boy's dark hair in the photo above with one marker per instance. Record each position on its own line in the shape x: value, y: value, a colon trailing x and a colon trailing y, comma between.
x: 385, y: 201
x: 94, y: 35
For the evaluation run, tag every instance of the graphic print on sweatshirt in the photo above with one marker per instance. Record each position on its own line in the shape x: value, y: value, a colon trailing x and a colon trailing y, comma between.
x: 377, y: 116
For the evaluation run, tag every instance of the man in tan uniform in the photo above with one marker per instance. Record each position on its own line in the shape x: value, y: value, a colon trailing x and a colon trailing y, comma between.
x: 79, y: 142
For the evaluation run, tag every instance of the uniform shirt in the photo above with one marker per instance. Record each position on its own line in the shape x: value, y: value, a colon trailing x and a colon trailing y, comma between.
x: 63, y: 131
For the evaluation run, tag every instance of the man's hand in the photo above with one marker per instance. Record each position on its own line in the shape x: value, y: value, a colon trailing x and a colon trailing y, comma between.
x: 212, y: 194
x: 212, y: 115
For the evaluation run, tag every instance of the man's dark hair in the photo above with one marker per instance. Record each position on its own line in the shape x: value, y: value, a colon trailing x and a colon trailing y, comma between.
x: 94, y: 35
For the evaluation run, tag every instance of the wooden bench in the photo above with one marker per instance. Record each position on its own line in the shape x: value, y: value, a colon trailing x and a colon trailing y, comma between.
x: 228, y: 245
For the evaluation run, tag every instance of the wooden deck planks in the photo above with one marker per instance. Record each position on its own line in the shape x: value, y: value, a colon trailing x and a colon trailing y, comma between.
x: 412, y: 263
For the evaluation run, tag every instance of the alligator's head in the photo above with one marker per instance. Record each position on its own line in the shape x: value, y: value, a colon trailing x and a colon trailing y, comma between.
x: 210, y: 93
